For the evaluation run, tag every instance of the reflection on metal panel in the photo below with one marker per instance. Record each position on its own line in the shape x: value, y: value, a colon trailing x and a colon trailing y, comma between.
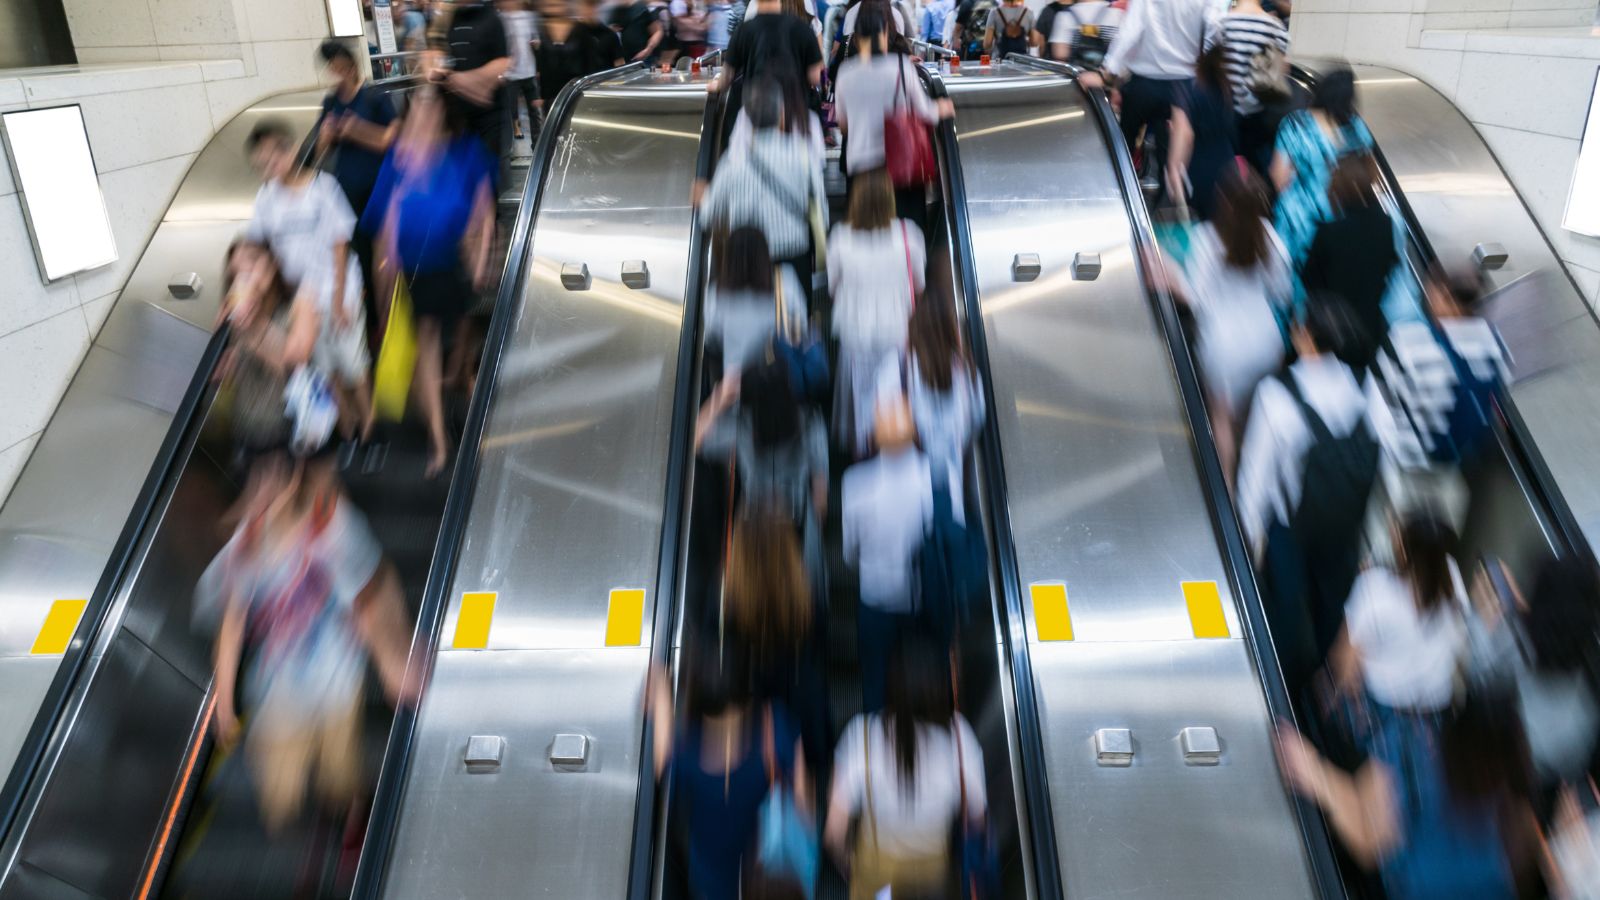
x: 567, y: 510
x: 1463, y: 198
x: 1105, y: 497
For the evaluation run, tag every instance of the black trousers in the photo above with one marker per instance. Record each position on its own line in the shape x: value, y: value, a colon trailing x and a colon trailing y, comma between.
x: 1257, y: 139
x: 1147, y: 106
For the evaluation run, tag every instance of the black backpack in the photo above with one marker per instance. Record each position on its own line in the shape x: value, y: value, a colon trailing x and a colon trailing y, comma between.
x: 1334, y: 485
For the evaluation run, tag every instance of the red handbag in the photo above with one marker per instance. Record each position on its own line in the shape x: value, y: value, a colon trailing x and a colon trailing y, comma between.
x: 907, y: 144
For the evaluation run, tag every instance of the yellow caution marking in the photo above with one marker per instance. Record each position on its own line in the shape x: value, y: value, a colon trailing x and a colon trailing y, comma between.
x: 625, y: 621
x: 59, y: 626
x: 1050, y: 613
x: 1205, y: 609
x: 472, y: 625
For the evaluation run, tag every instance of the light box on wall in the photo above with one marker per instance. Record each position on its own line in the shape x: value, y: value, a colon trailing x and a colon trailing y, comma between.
x: 1583, y: 199
x: 60, y: 190
x: 344, y: 18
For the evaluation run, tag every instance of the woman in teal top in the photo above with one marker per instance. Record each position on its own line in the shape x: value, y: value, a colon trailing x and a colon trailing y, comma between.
x: 1310, y: 144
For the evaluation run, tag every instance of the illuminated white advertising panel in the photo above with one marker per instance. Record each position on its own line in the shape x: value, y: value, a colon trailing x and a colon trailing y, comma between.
x: 344, y: 18
x: 60, y: 190
x: 1583, y: 201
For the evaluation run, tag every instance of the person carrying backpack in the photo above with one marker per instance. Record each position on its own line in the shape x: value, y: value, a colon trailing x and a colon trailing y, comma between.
x: 1078, y: 32
x: 1306, y: 468
x: 1010, y: 30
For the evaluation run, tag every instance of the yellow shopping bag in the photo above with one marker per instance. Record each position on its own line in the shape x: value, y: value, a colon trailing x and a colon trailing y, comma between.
x: 397, y: 358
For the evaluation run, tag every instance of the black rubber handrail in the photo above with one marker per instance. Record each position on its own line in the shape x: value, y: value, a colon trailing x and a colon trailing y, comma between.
x: 153, y: 496
x: 675, y: 507
x: 1552, y: 503
x: 1236, y: 557
x: 385, y: 817
x: 1002, y: 547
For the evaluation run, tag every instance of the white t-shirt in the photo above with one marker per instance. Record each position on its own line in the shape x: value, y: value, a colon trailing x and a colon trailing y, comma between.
x: 520, y: 31
x: 302, y: 226
x: 910, y: 821
x: 1408, y: 658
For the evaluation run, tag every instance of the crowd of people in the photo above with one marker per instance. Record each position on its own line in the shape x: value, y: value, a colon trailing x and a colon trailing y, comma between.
x: 1448, y: 733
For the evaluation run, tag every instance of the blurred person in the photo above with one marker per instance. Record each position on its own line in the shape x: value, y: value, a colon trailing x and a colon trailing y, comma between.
x: 522, y: 34
x: 934, y: 15
x: 971, y: 23
x: 767, y: 37
x: 1009, y: 30
x: 1310, y: 144
x: 1077, y: 31
x: 774, y: 186
x: 1152, y: 57
x: 357, y: 125
x: 899, y: 23
x: 772, y: 612
x: 411, y: 25
x: 887, y: 508
x: 432, y: 221
x: 572, y: 47
x: 906, y: 772
x: 741, y: 302
x: 640, y: 29
x: 779, y: 450
x: 689, y: 25
x: 1353, y: 254
x: 721, y: 759
x: 1307, y: 466
x: 947, y: 402
x: 798, y: 121
x: 802, y: 10
x: 307, y: 601
x: 1235, y: 278
x: 1405, y: 638
x: 718, y: 13
x: 303, y: 216
x: 1257, y: 46
x: 473, y: 72
x: 876, y: 268
x: 1439, y: 805
x: 872, y: 85
x: 1546, y: 648
x: 1202, y: 130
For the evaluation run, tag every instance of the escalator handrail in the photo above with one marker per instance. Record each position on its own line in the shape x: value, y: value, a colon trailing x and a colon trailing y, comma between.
x: 1314, y: 834
x: 675, y: 507
x: 1569, y: 533
x: 1003, y: 551
x: 385, y: 816
x: 153, y: 495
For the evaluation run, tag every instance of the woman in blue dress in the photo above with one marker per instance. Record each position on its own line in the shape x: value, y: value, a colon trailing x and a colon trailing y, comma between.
x: 1310, y: 144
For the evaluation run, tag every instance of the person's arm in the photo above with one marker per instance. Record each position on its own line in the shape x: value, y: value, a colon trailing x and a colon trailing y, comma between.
x: 656, y: 33
x: 1127, y: 39
x: 1360, y: 807
x: 482, y: 234
x: 722, y: 398
x: 229, y: 650
x: 989, y: 30
x: 842, y: 798
x: 1182, y: 148
x: 478, y: 86
x: 1257, y: 474
x: 381, y: 623
x: 661, y: 720
x: 376, y: 136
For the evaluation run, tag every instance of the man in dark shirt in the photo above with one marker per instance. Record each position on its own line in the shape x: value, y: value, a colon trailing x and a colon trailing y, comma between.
x: 357, y: 125
x: 474, y: 74
x: 640, y: 29
x: 768, y: 40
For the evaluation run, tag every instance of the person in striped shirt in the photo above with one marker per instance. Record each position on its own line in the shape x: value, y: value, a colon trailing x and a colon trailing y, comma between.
x: 1246, y: 32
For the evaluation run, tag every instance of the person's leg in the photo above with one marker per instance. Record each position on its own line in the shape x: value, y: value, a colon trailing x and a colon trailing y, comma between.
x: 430, y: 391
x: 280, y: 763
x: 874, y: 634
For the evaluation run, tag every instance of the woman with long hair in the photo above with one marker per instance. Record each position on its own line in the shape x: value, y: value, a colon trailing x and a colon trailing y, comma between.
x: 1202, y: 134
x: 433, y: 208
x: 946, y: 396
x: 876, y: 268
x: 905, y: 773
x: 1235, y: 279
x: 1353, y: 255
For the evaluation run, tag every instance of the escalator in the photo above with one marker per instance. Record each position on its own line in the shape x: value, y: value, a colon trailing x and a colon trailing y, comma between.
x: 1154, y: 669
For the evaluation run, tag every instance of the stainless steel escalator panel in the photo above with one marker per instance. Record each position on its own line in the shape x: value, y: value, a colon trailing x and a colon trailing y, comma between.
x: 567, y: 507
x: 1462, y: 197
x: 1105, y: 496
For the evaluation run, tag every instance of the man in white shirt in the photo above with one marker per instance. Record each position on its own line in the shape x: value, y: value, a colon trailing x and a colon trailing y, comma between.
x: 1306, y: 577
x: 1153, y: 53
x: 886, y: 504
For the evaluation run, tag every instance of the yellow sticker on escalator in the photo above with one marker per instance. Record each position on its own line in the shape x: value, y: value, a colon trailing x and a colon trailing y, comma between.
x: 59, y: 625
x: 1051, y: 616
x: 625, y: 619
x: 1205, y: 609
x: 472, y: 623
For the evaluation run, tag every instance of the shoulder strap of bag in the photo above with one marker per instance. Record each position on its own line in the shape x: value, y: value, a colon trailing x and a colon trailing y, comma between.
x: 900, y: 83
x: 1319, y: 428
x: 866, y: 755
x: 769, y: 746
x: 777, y: 185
